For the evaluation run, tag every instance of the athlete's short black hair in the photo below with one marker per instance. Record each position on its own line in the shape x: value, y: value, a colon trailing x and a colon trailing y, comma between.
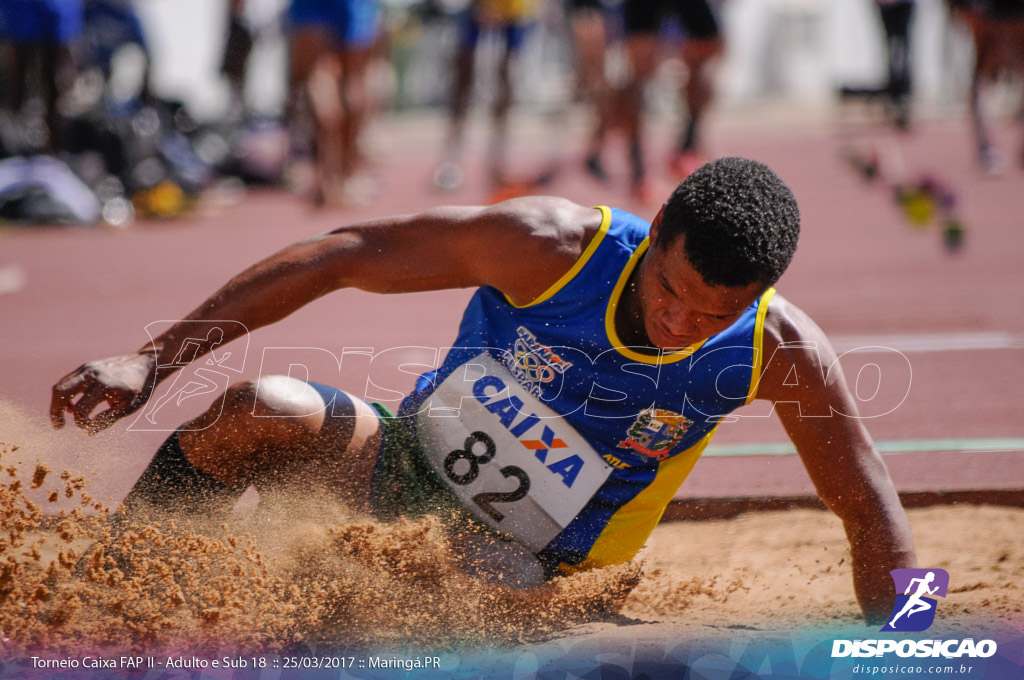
x: 740, y: 222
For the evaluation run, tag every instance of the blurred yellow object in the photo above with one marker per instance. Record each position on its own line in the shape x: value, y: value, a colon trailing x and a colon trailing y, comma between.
x: 919, y: 208
x: 506, y: 11
x: 166, y: 199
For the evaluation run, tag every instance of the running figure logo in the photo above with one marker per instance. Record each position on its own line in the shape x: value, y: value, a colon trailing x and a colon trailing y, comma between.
x: 914, y: 611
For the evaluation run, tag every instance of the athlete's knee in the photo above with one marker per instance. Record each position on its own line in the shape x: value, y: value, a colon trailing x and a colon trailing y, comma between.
x: 276, y: 400
x: 696, y: 52
x: 355, y: 95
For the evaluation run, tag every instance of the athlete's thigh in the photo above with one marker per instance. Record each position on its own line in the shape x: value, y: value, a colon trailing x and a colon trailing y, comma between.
x: 642, y: 49
x: 310, y: 27
x: 354, y: 62
x: 306, y: 44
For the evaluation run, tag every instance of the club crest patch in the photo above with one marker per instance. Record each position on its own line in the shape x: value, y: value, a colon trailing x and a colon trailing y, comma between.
x: 655, y: 432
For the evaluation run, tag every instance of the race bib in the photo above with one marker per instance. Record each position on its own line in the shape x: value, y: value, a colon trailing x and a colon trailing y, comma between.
x: 516, y: 463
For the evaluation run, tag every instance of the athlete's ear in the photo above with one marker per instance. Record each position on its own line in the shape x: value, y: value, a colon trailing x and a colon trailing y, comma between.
x: 655, y: 224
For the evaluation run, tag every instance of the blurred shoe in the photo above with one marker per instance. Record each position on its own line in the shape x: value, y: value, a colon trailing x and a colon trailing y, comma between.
x: 593, y: 167
x: 448, y: 176
x: 682, y: 164
x: 507, y: 189
x: 358, y: 190
x: 299, y: 176
x: 952, y: 235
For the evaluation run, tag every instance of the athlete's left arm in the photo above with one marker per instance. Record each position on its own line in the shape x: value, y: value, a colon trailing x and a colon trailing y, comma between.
x: 837, y: 451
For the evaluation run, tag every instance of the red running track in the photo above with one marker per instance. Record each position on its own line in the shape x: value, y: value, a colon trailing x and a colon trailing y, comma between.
x: 77, y: 294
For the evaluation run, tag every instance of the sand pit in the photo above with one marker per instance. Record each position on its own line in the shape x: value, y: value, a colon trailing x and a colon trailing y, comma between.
x: 279, y: 580
x: 783, y: 570
x: 290, y: 575
x: 295, y: 576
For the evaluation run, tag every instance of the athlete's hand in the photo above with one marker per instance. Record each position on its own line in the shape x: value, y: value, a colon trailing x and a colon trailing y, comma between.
x: 125, y: 383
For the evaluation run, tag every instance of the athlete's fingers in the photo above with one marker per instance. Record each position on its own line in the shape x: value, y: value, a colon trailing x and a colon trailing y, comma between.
x: 64, y: 392
x: 119, y: 409
x: 105, y: 419
x: 57, y: 404
x: 82, y: 408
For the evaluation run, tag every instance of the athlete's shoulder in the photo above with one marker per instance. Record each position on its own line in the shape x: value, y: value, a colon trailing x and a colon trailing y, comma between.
x: 555, y: 226
x: 533, y: 241
x: 548, y: 212
x: 785, y: 323
x: 792, y: 341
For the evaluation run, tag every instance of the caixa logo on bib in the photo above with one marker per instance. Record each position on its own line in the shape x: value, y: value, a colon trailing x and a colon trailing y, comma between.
x: 914, y: 610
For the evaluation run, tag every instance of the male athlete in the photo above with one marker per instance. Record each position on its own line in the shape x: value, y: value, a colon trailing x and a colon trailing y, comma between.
x: 331, y: 46
x: 590, y: 370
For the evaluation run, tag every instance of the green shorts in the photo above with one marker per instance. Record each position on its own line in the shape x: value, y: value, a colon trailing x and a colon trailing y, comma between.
x: 405, y: 485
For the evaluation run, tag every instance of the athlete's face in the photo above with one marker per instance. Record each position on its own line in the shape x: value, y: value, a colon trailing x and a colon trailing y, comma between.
x: 678, y: 307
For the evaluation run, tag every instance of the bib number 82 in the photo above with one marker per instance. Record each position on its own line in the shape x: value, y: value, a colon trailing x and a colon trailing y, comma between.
x: 485, y: 499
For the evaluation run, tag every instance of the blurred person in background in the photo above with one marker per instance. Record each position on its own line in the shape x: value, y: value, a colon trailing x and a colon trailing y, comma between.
x: 38, y: 35
x: 511, y: 20
x: 896, y: 16
x: 237, y: 48
x: 643, y: 21
x: 591, y: 33
x: 331, y: 47
x: 997, y: 29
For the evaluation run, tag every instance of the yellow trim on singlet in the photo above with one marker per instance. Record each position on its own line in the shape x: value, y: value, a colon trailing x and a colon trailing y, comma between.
x: 755, y: 373
x: 628, y: 529
x: 606, y: 220
x: 609, y: 319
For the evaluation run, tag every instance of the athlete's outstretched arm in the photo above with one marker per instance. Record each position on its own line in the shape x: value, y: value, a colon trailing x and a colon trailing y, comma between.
x: 819, y: 414
x: 520, y: 247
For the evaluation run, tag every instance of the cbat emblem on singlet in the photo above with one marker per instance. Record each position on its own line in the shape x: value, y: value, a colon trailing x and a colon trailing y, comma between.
x: 655, y: 432
x: 538, y: 362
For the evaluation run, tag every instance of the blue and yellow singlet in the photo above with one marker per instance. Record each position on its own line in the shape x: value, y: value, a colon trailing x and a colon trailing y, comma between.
x: 549, y: 430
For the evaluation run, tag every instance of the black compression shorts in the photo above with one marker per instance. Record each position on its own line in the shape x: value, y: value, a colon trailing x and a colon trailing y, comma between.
x: 697, y: 17
x: 576, y: 5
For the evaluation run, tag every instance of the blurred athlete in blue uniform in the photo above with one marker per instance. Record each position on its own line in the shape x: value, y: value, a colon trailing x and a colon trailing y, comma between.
x: 39, y: 31
x: 331, y: 46
x: 590, y: 370
x: 512, y: 21
x: 703, y: 42
x: 997, y: 30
